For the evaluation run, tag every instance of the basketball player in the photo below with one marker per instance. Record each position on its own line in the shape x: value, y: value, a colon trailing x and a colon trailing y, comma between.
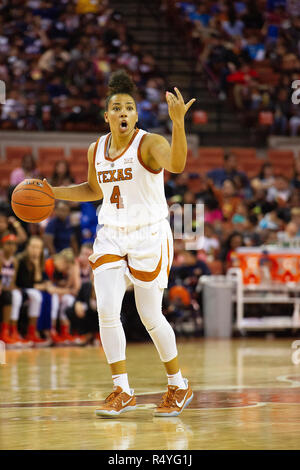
x: 134, y: 243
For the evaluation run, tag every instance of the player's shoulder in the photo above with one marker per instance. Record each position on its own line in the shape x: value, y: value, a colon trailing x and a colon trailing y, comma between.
x: 94, y: 145
x: 153, y: 139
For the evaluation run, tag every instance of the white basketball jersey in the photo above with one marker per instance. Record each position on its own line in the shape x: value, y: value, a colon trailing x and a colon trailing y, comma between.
x: 133, y: 194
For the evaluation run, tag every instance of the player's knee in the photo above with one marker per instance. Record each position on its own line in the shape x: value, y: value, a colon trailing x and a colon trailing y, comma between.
x: 108, y: 316
x: 16, y: 297
x: 151, y: 321
x: 35, y: 295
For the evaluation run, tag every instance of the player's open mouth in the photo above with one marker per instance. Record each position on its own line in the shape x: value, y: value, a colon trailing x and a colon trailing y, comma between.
x: 123, y: 125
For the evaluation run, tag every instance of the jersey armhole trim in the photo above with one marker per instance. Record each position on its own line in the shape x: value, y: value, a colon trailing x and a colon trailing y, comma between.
x: 95, y: 151
x: 139, y: 154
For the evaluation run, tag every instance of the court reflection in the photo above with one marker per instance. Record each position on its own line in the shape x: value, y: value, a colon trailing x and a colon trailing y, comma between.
x: 132, y: 432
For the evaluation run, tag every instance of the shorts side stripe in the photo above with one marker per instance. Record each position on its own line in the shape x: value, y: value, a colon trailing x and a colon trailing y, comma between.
x: 146, y: 276
x: 106, y: 259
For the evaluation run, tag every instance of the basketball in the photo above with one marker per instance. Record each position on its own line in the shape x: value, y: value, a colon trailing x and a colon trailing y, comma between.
x: 32, y: 201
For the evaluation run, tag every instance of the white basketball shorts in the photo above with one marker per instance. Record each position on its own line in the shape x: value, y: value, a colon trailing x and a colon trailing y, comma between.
x: 147, y: 252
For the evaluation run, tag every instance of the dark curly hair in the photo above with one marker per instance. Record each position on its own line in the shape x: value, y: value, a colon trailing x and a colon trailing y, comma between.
x: 120, y: 82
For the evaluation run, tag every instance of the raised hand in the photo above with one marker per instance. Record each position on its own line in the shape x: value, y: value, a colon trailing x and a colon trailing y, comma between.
x: 176, y: 106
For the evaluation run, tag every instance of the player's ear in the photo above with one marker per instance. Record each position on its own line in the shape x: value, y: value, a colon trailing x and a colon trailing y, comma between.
x: 105, y: 117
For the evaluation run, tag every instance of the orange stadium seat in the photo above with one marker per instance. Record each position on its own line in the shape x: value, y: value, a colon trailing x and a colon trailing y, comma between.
x: 244, y: 153
x: 5, y: 170
x: 78, y: 154
x: 284, y: 156
x: 50, y: 153
x: 15, y: 154
x: 250, y: 167
x: 213, y: 152
x: 213, y: 157
x: 46, y: 169
x: 79, y: 174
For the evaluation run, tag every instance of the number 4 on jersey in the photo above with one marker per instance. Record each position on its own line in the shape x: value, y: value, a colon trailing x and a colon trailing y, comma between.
x: 116, y: 198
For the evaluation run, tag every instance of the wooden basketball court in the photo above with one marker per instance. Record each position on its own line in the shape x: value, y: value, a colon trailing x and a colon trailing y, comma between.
x: 246, y: 396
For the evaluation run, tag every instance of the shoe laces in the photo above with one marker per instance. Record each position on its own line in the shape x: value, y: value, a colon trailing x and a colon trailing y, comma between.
x: 112, y: 396
x: 168, y: 398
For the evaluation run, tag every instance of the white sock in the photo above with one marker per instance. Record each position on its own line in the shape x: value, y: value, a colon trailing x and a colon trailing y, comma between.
x: 121, y: 380
x: 177, y: 380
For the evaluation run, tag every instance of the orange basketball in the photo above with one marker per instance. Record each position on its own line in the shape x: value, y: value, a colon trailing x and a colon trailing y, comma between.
x: 32, y: 200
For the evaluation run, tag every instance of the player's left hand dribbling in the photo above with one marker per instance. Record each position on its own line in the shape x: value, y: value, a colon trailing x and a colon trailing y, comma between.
x: 176, y: 105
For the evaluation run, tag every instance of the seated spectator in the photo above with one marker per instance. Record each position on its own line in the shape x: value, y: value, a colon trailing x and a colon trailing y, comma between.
x: 83, y: 315
x: 63, y: 271
x: 250, y: 232
x: 9, y: 295
x: 13, y: 110
x: 253, y: 18
x: 209, y: 244
x: 212, y: 212
x: 281, y: 109
x: 183, y: 312
x: 266, y: 175
x: 34, y: 286
x: 229, y: 171
x: 27, y: 170
x: 294, y: 121
x: 233, y: 27
x: 48, y: 59
x: 296, y: 174
x: 84, y: 266
x: 189, y: 270
x: 227, y: 199
x: 280, y: 191
x: 289, y: 233
x: 270, y: 221
x: 61, y: 175
x: 11, y: 224
x: 147, y: 117
x: 59, y: 233
x: 240, y: 216
x: 255, y: 48
x: 295, y: 218
x: 200, y: 15
x: 228, y: 257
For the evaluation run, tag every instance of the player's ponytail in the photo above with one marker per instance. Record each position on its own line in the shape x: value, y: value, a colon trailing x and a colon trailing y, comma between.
x: 120, y: 82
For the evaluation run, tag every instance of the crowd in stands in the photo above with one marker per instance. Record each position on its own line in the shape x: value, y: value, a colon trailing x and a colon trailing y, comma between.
x: 250, y: 51
x: 46, y: 287
x: 56, y: 58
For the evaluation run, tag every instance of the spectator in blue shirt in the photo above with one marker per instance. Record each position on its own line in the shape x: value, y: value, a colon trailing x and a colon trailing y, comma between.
x: 59, y: 233
x: 201, y: 15
x: 229, y: 171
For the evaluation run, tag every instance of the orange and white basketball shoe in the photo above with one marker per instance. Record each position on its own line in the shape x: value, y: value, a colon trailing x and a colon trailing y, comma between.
x: 174, y: 400
x: 116, y: 403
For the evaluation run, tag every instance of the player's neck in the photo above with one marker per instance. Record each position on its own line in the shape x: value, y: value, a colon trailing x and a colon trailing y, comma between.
x: 119, y: 142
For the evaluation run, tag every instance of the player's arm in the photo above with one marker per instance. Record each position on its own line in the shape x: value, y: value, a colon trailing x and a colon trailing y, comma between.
x: 89, y: 191
x: 20, y: 232
x: 158, y: 152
